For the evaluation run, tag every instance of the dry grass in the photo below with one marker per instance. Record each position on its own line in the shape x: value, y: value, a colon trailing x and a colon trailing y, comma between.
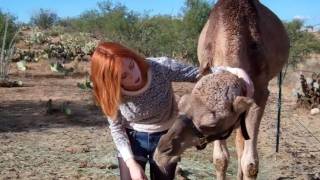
x: 35, y: 145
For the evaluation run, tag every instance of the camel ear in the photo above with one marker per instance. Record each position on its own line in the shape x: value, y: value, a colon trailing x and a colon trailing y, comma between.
x: 204, y: 68
x: 242, y: 104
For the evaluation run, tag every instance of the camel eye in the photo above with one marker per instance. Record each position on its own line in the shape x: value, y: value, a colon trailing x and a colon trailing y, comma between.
x: 211, y: 114
x: 166, y: 150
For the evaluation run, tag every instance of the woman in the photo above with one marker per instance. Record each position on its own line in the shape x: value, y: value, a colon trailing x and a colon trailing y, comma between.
x: 136, y: 96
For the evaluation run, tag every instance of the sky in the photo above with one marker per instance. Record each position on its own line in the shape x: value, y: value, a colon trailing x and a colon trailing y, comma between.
x: 308, y: 10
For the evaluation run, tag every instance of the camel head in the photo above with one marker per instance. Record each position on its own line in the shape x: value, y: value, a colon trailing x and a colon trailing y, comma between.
x: 212, y: 109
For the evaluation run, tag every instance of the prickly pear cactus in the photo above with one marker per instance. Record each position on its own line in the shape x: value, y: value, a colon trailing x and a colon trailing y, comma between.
x: 54, y: 44
x: 308, y: 94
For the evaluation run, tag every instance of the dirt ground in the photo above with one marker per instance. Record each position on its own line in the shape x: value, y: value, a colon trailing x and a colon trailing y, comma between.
x: 38, y: 145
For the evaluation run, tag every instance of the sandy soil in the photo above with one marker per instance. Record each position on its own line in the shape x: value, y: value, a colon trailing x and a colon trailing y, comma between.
x: 37, y: 145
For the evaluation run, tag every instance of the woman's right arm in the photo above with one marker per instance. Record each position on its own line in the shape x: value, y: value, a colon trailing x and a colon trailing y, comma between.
x: 120, y: 137
x: 121, y: 140
x: 177, y: 71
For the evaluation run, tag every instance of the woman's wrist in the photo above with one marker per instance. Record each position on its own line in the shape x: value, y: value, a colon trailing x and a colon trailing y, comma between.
x: 130, y: 162
x: 136, y: 171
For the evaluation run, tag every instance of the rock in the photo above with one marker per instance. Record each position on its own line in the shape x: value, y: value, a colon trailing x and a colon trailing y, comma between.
x: 305, y: 177
x: 83, y: 164
x: 73, y: 150
x: 85, y: 149
x: 315, y: 111
x: 101, y: 166
x: 112, y: 166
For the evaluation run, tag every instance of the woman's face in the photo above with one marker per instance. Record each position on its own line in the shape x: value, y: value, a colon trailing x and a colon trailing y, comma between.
x: 131, y: 75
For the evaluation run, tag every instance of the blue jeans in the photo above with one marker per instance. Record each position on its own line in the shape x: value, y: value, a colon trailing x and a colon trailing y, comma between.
x: 143, y: 146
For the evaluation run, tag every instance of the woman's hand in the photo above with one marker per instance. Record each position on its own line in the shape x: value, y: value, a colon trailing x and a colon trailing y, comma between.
x: 136, y: 171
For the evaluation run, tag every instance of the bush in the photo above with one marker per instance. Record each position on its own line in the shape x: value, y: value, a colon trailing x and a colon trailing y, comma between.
x: 196, y: 14
x: 302, y: 43
x: 44, y: 18
x: 160, y: 35
x: 7, y: 50
x: 12, y: 27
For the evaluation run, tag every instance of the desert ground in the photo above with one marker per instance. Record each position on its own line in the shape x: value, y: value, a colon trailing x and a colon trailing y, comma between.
x: 36, y: 144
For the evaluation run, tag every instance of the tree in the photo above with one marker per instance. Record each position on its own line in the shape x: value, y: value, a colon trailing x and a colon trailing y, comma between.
x: 196, y: 13
x: 159, y: 35
x: 302, y: 43
x: 11, y: 28
x: 7, y: 44
x: 44, y: 18
x: 156, y: 36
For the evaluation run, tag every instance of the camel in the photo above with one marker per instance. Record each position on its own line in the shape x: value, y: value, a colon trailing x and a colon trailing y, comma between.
x: 241, y: 34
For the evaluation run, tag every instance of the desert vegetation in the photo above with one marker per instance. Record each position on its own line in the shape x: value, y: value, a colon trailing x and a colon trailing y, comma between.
x: 45, y: 90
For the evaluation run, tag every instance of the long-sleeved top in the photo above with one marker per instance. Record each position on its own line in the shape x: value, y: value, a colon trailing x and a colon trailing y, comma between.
x: 152, y: 108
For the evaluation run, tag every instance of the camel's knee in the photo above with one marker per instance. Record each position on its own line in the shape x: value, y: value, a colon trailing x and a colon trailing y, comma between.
x: 221, y: 164
x: 220, y: 156
x: 252, y: 170
x: 220, y: 159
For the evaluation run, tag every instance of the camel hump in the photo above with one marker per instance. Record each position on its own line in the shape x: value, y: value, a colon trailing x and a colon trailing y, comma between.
x: 244, y: 34
x: 237, y: 14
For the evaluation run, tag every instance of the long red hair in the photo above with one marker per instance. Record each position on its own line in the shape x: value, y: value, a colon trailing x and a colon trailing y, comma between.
x: 106, y: 65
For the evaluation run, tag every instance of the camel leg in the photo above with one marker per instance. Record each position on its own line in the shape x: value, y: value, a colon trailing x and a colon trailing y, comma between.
x: 250, y: 160
x: 239, y: 146
x: 220, y: 158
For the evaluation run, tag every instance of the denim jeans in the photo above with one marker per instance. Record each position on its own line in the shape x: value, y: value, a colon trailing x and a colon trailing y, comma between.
x: 143, y: 146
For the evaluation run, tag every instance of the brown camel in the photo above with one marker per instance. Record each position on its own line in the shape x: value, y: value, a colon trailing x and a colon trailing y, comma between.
x: 241, y: 34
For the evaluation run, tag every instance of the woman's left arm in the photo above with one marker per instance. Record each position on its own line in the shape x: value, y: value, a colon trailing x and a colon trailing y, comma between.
x: 179, y: 72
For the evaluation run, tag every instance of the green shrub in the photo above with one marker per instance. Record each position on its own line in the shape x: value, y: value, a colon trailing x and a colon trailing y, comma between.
x: 11, y: 29
x: 160, y: 35
x: 44, y: 18
x: 7, y: 49
x: 302, y: 43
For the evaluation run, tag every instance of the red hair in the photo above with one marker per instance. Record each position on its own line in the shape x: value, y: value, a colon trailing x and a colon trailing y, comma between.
x: 106, y: 65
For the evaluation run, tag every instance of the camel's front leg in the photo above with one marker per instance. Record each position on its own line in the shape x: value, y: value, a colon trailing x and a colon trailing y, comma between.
x: 250, y: 160
x: 220, y: 158
x: 239, y: 146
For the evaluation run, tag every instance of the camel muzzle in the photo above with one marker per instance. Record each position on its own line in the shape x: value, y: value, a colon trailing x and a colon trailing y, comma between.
x: 205, y: 139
